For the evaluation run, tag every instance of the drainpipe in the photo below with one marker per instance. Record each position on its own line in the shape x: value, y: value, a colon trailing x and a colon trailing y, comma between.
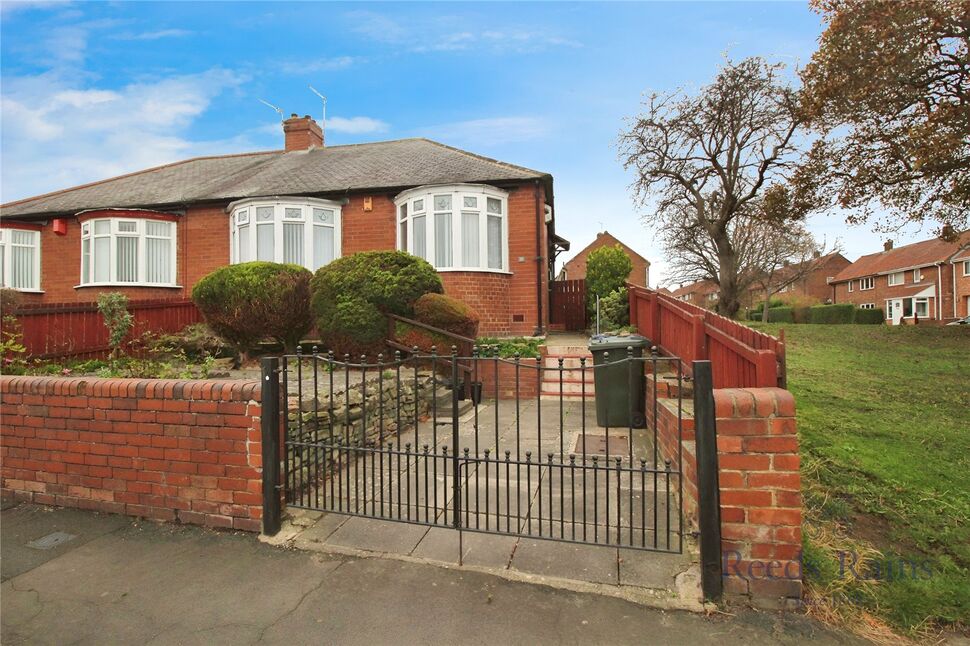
x: 939, y: 291
x: 539, y: 264
x: 953, y: 265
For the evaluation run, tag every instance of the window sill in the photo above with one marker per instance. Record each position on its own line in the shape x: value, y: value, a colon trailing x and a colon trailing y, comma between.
x: 26, y: 291
x: 151, y: 285
x: 472, y: 270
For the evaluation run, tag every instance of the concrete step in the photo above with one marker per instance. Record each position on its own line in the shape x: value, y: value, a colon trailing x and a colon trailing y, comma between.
x: 552, y: 376
x: 568, y: 387
x: 567, y: 362
x: 567, y: 351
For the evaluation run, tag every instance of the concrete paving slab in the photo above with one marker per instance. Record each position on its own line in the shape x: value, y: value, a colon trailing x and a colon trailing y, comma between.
x: 319, y: 532
x: 378, y: 535
x: 590, y: 563
x: 483, y: 550
x: 651, y: 569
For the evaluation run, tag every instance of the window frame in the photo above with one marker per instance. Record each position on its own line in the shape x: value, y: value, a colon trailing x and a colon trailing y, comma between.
x: 867, y: 283
x: 966, y: 267
x: 896, y: 279
x: 851, y: 283
x: 867, y: 306
x: 917, y: 276
x: 88, y: 233
x: 280, y: 206
x: 420, y: 202
x: 7, y: 243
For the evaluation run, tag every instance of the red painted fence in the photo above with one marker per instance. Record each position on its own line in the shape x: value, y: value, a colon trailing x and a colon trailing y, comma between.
x: 740, y: 356
x: 58, y: 330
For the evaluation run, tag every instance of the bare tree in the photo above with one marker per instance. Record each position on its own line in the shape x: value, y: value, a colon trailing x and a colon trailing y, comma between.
x: 702, y: 160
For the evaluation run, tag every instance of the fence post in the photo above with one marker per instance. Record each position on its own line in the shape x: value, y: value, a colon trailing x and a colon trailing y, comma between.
x: 708, y: 493
x: 270, y: 426
x: 698, y: 333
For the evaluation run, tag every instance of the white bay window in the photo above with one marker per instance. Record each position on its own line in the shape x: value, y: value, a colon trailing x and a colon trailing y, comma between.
x: 128, y: 251
x: 20, y: 259
x: 467, y: 231
x: 301, y: 231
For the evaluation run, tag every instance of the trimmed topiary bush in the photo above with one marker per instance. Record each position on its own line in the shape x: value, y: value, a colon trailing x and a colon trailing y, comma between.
x: 829, y: 314
x: 447, y: 313
x: 870, y: 317
x: 607, y: 269
x: 351, y: 296
x: 249, y: 302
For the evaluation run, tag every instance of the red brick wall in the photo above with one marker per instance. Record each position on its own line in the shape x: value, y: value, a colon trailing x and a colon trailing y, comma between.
x: 760, y: 486
x: 962, y: 290
x: 529, y: 383
x: 163, y: 449
x: 941, y: 277
x: 576, y: 267
x: 203, y: 246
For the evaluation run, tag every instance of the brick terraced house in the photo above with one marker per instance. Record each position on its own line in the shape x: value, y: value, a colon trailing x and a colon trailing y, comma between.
x: 702, y: 293
x: 811, y: 284
x: 486, y: 226
x: 919, y: 282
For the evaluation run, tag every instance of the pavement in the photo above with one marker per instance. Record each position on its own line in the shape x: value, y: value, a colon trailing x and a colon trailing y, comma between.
x: 106, y: 579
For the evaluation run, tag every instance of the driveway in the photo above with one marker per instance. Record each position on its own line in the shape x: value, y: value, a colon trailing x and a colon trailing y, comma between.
x: 119, y: 580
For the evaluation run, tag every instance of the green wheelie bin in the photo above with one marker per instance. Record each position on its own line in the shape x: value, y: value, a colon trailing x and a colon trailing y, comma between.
x: 617, y: 382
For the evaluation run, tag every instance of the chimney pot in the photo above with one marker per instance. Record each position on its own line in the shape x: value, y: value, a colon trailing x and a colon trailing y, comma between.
x: 888, y: 245
x: 302, y: 133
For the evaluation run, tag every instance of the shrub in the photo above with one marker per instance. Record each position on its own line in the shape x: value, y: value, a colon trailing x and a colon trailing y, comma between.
x: 447, y: 313
x: 801, y: 314
x: 119, y: 321
x: 12, y: 349
x: 840, y: 313
x: 247, y: 303
x: 780, y: 315
x: 867, y: 317
x: 352, y: 295
x: 508, y: 348
x: 774, y: 302
x: 615, y: 310
x: 196, y: 342
x: 607, y: 269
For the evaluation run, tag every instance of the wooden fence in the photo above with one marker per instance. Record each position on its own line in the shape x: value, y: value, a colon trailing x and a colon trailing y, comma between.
x: 567, y: 305
x: 77, y: 330
x: 740, y: 356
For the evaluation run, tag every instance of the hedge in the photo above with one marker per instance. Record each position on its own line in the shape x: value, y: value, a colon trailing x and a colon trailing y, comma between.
x: 829, y: 314
x: 447, y: 313
x: 870, y: 317
x: 251, y: 301
x: 801, y: 314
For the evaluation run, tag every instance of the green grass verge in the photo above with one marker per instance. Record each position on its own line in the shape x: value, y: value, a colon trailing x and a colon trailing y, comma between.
x: 884, y: 424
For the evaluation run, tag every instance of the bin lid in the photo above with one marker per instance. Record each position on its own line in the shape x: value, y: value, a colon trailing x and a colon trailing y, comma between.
x: 615, y: 341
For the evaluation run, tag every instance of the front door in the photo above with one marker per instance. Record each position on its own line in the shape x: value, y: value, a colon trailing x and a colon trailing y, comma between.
x: 895, y: 310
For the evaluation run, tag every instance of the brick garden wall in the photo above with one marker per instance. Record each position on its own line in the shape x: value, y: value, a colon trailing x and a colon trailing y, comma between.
x: 760, y: 486
x: 157, y: 448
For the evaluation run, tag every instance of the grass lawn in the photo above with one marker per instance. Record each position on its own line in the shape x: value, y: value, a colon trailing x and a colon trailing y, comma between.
x: 884, y: 422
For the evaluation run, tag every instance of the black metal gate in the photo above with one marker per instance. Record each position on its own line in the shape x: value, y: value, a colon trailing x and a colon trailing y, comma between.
x: 522, y: 455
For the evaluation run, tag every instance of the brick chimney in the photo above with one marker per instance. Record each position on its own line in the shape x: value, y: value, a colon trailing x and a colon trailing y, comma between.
x: 302, y: 133
x: 888, y: 245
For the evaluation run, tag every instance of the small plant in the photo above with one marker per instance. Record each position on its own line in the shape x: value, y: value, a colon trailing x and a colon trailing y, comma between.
x: 615, y: 311
x: 12, y: 348
x: 525, y: 348
x: 119, y: 321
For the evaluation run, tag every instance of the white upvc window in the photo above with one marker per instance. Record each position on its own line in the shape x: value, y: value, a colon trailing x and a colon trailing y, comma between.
x: 300, y: 231
x: 897, y: 278
x: 20, y: 259
x: 851, y: 283
x: 917, y: 276
x: 867, y: 306
x: 867, y: 283
x: 966, y: 267
x: 921, y: 306
x: 128, y: 251
x: 461, y: 227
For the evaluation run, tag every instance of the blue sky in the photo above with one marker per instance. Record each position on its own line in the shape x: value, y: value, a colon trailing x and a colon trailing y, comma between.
x: 92, y: 90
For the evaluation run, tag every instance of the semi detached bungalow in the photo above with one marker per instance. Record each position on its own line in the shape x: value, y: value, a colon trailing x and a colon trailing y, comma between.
x: 486, y: 226
x: 926, y: 281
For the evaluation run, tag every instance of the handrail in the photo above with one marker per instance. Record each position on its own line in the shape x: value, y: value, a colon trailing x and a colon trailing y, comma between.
x: 431, y: 328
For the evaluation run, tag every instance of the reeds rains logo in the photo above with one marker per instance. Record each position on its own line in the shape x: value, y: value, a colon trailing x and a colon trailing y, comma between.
x: 849, y: 564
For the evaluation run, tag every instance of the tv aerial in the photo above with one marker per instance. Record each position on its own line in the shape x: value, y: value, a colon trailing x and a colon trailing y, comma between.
x: 323, y: 99
x: 270, y: 105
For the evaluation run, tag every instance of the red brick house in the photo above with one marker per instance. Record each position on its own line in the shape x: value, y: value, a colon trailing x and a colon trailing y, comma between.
x: 575, y: 267
x: 487, y: 226
x: 960, y: 270
x: 703, y: 293
x: 812, y: 284
x: 913, y: 283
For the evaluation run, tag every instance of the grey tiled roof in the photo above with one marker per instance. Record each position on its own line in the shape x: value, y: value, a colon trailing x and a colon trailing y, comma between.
x: 334, y: 169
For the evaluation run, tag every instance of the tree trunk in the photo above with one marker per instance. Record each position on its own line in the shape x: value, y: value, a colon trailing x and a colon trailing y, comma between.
x: 728, y: 300
x: 764, y: 310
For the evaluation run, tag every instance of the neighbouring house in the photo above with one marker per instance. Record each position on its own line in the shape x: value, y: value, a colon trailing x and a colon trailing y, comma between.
x: 575, y: 267
x: 703, y: 293
x: 487, y: 226
x: 811, y: 283
x: 917, y: 282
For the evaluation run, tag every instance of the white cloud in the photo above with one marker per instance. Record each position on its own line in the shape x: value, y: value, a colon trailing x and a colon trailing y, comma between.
x: 60, y: 133
x: 316, y: 65
x: 355, y: 125
x: 490, y: 132
x: 8, y: 7
x: 156, y: 35
x: 450, y: 34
